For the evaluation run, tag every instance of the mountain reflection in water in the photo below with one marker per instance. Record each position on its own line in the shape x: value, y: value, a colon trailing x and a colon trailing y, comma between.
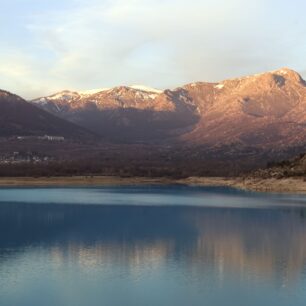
x: 269, y: 243
x: 181, y: 251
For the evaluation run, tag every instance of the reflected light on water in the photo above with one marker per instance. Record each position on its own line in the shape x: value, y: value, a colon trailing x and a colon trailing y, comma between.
x: 75, y: 252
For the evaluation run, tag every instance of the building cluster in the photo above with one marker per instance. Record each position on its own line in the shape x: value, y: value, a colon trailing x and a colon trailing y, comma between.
x: 45, y: 137
x: 23, y: 157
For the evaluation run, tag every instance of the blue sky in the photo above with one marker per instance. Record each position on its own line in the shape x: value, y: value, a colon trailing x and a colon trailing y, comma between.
x: 47, y: 46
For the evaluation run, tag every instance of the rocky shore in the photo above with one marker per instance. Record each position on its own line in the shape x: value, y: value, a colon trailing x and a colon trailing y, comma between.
x: 285, y: 185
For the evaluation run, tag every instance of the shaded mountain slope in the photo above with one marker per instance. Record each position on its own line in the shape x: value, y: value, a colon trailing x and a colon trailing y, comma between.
x: 124, y: 113
x: 20, y: 118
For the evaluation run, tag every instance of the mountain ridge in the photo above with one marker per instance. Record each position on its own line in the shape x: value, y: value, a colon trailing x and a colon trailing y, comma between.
x: 201, y: 128
x: 138, y: 113
x: 240, y: 110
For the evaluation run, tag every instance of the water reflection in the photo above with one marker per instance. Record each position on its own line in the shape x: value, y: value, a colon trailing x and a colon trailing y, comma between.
x: 264, y: 244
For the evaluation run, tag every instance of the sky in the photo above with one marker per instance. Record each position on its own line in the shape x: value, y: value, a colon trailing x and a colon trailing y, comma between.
x: 47, y: 46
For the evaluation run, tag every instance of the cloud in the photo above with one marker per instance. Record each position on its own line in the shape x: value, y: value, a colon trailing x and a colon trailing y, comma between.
x: 90, y: 44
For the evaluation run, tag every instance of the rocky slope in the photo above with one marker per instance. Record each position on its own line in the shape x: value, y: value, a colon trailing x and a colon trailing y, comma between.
x: 295, y: 167
x: 20, y: 118
x: 264, y: 111
x: 125, y: 113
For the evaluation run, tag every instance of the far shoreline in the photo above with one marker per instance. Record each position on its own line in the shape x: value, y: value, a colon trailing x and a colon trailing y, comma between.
x: 294, y: 185
x: 287, y: 185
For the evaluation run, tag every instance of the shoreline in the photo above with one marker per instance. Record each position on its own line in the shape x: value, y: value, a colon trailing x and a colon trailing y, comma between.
x: 79, y: 181
x: 288, y: 185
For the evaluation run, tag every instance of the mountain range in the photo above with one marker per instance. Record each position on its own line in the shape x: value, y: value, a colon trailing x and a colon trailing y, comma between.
x: 235, y: 124
x: 264, y: 110
x: 125, y: 114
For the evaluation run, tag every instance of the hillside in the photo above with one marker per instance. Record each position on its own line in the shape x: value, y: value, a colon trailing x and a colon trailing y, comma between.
x: 265, y: 111
x: 125, y: 114
x: 295, y: 167
x: 20, y: 118
x: 201, y: 129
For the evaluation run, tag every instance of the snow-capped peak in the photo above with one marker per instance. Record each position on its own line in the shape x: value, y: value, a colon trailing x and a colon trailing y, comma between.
x: 146, y: 89
x: 66, y: 94
x: 92, y: 91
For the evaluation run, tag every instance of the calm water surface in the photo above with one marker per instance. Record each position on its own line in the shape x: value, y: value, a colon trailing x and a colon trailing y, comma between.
x: 151, y: 246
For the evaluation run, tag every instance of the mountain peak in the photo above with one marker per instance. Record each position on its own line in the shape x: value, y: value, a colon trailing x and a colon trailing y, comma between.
x: 285, y: 70
x: 265, y: 80
x: 289, y: 74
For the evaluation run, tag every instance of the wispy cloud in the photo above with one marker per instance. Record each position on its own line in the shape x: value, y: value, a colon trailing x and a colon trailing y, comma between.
x: 89, y: 44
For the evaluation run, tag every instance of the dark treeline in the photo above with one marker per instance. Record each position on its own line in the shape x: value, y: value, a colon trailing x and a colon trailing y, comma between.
x: 42, y: 159
x: 124, y: 169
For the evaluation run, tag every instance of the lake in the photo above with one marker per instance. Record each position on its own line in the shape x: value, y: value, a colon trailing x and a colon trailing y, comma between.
x: 151, y: 246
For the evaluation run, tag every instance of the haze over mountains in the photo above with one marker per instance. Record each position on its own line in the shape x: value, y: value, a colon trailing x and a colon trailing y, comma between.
x: 264, y: 111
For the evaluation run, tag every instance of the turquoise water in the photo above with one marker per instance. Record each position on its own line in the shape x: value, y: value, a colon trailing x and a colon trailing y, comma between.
x: 151, y: 246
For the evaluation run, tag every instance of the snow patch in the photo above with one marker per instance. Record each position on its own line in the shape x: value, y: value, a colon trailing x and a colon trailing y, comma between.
x: 41, y: 101
x: 146, y: 89
x: 92, y: 91
x: 153, y: 96
x: 282, y: 71
x: 219, y: 86
x: 64, y: 95
x: 57, y: 108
